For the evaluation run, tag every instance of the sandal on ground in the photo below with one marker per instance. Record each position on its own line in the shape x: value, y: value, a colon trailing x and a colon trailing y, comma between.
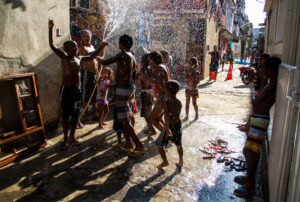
x: 123, y: 148
x: 221, y: 159
x: 228, y: 162
x: 213, y: 142
x: 241, y: 167
x: 241, y: 180
x: 137, y: 152
x: 207, y: 150
x: 209, y: 156
x: 243, y: 192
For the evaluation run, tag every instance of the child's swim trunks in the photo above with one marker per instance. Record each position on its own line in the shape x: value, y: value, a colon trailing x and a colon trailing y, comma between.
x: 147, y: 102
x: 123, y: 95
x: 70, y: 102
x: 163, y: 140
x: 257, y: 133
x: 192, y: 93
x: 88, y: 81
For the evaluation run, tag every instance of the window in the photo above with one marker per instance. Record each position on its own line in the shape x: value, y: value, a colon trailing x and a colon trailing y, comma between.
x: 84, y: 4
x: 73, y: 3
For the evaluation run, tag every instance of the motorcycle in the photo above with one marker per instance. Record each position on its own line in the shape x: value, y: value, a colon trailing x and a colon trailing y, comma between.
x: 247, y: 74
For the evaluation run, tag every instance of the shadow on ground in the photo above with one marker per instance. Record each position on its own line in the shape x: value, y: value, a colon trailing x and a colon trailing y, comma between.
x: 93, y: 170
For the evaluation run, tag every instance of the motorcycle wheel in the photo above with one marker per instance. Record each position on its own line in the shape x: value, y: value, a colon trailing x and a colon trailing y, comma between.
x: 245, y: 79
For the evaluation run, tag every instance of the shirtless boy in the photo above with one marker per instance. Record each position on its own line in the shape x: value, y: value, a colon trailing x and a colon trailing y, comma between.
x: 146, y: 93
x: 125, y: 78
x: 70, y: 91
x: 89, y: 72
x: 172, y: 109
x: 159, y: 78
x: 259, y: 126
x: 193, y: 77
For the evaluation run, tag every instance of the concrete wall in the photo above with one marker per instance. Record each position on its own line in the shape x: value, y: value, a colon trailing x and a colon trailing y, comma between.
x: 275, y: 27
x: 212, y: 38
x: 24, y: 46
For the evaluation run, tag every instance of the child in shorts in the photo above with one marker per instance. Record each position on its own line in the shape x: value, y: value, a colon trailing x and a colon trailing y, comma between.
x: 172, y: 129
x: 101, y: 97
x: 70, y: 92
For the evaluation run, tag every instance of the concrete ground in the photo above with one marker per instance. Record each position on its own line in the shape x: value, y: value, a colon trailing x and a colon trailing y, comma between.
x: 96, y: 171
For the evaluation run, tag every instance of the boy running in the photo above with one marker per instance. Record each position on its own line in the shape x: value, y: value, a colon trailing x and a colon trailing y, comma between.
x: 70, y: 92
x: 172, y: 109
x: 193, y: 77
x: 125, y: 78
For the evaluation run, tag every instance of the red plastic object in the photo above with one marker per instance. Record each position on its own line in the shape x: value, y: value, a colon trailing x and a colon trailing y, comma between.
x: 213, y: 75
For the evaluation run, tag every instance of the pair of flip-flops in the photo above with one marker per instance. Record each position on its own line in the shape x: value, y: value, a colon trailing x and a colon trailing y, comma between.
x: 242, y: 191
x: 238, y: 166
x: 65, y: 146
x: 207, y: 149
x: 209, y: 156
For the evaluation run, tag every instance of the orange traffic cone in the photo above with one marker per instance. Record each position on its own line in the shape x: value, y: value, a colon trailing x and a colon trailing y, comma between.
x: 213, y: 75
x: 229, y: 74
x: 230, y: 68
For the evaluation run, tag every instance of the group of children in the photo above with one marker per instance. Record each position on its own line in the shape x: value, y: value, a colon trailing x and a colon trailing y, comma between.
x: 165, y: 115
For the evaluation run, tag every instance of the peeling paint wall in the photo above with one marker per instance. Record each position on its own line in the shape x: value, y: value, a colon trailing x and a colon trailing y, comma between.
x: 212, y: 38
x: 24, y: 46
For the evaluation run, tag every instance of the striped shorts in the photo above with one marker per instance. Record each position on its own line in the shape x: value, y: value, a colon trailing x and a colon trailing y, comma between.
x: 257, y: 133
x: 123, y: 95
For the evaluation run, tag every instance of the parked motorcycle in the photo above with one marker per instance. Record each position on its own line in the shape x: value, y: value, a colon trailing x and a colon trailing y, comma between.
x: 247, y: 74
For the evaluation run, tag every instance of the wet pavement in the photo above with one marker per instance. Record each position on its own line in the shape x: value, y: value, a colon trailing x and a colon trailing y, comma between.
x: 96, y: 171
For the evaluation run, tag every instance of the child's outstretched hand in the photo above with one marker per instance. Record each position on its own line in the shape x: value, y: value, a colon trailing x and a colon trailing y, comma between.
x: 51, y: 23
x: 104, y: 43
x: 169, y: 133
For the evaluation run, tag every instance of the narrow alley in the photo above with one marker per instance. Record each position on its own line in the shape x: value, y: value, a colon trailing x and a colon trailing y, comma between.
x: 96, y: 170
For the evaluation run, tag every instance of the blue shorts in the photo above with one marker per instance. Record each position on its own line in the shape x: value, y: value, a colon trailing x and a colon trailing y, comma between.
x: 213, y: 67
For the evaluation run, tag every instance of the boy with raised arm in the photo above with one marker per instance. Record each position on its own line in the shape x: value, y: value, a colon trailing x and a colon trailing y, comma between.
x: 70, y: 92
x: 125, y: 78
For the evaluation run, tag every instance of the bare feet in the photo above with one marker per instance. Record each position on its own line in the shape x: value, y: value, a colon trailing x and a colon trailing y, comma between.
x: 185, y: 118
x: 79, y: 125
x: 75, y: 142
x: 152, y: 133
x: 64, y: 145
x: 101, y: 127
x: 180, y: 164
x: 196, y: 117
x: 163, y: 164
x: 104, y: 123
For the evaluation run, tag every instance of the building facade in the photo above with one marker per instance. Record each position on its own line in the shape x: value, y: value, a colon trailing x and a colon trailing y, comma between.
x: 24, y: 47
x: 282, y: 39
